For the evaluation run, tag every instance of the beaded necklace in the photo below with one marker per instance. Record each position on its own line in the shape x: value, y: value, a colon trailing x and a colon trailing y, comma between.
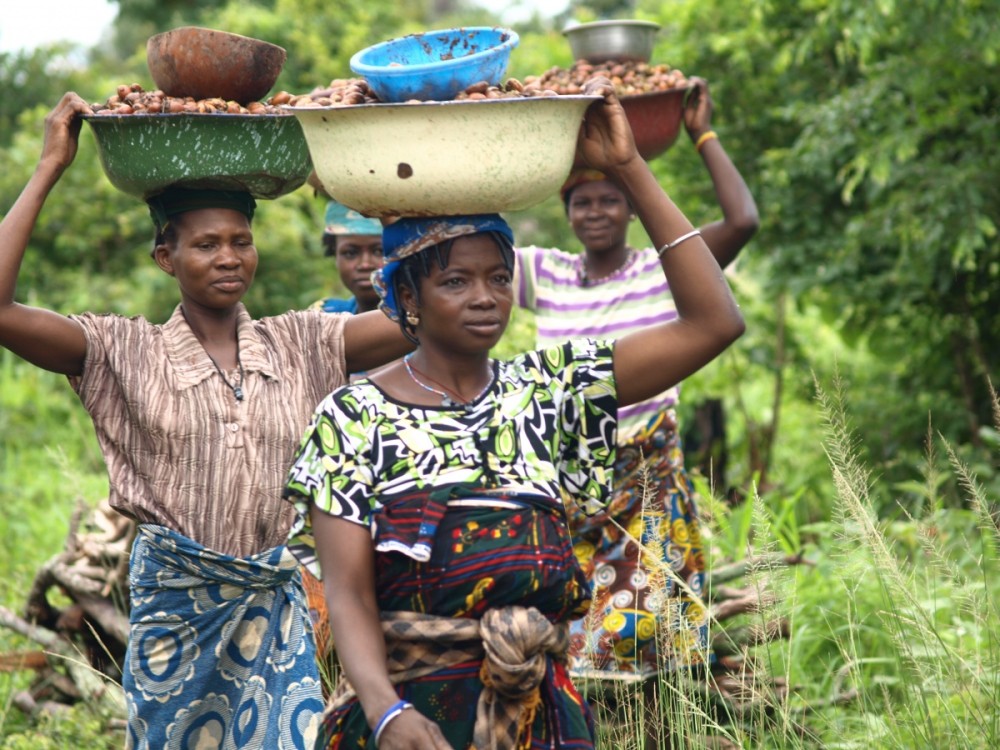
x: 585, y: 280
x: 237, y: 389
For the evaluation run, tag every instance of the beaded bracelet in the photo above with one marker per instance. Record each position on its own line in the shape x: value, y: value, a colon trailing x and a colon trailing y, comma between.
x: 679, y: 240
x: 391, y: 713
x: 704, y: 138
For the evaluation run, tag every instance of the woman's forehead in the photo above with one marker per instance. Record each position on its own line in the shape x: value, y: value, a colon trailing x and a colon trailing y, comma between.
x: 211, y: 219
x: 596, y: 188
x: 473, y: 250
x: 359, y: 239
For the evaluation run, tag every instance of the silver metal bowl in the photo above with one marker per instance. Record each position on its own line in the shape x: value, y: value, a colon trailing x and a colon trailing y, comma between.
x: 621, y: 41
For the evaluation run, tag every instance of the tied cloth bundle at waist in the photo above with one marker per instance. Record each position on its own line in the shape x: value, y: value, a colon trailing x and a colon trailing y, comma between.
x: 513, y: 642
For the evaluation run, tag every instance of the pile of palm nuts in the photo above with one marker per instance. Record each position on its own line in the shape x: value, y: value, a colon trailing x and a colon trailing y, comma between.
x: 628, y: 78
x: 349, y: 91
x: 133, y: 100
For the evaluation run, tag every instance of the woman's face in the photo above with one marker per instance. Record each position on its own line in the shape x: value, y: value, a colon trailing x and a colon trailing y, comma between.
x: 599, y: 215
x: 213, y: 258
x: 466, y: 306
x: 357, y: 256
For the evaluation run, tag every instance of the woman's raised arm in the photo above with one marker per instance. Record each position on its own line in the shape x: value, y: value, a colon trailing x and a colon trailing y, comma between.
x: 708, y: 320
x: 372, y: 340
x: 42, y: 337
x: 739, y: 222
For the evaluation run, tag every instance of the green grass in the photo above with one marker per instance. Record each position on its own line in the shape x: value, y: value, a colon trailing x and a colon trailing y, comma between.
x: 894, y: 625
x: 49, y: 459
x: 901, y: 613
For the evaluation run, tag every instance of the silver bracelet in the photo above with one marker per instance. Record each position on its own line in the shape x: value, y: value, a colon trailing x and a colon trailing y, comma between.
x: 391, y: 713
x: 679, y: 240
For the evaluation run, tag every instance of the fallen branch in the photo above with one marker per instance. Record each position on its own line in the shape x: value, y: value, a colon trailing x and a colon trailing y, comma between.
x: 732, y: 571
x: 41, y: 636
x: 748, y: 604
x: 92, y: 685
x: 15, y: 661
x: 734, y: 640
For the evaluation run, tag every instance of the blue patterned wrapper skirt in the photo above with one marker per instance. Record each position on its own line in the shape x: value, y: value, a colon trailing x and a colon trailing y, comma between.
x: 221, y: 652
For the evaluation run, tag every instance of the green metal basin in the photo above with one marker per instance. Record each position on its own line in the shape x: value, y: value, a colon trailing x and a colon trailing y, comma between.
x: 265, y: 155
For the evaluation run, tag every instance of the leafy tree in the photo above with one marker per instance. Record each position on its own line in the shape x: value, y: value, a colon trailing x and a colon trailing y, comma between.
x: 29, y: 78
x: 866, y: 131
x: 164, y: 12
x: 897, y: 149
x: 137, y: 20
x: 592, y: 10
x: 320, y: 37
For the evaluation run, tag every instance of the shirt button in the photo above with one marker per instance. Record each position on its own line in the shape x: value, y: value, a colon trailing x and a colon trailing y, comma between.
x: 233, y: 426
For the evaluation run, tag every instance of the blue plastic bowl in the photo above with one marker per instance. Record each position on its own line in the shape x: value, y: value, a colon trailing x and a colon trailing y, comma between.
x: 435, y: 65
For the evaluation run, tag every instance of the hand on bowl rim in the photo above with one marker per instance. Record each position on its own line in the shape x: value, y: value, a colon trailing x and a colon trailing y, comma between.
x: 698, y: 108
x: 605, y: 141
x: 62, y: 130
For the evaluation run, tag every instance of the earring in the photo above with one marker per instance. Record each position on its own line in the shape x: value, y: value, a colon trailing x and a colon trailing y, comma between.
x: 412, y: 319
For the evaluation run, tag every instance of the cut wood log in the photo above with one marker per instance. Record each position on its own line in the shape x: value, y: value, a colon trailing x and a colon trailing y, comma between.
x: 92, y: 685
x: 737, y: 638
x: 15, y: 661
x: 751, y: 603
x: 724, y: 573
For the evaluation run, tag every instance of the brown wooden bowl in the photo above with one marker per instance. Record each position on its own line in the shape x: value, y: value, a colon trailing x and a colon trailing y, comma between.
x: 205, y: 63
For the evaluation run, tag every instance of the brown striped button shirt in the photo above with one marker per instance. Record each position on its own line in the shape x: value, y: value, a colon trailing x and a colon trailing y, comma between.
x: 181, y: 451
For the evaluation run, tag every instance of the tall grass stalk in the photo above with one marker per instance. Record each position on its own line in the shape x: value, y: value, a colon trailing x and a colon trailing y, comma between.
x: 677, y: 709
x: 916, y: 627
x: 941, y: 625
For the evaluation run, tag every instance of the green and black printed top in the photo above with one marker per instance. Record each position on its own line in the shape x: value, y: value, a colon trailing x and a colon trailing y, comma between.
x: 545, y: 428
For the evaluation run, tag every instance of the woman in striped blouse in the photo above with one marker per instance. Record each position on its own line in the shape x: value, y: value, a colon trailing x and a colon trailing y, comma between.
x: 610, y: 290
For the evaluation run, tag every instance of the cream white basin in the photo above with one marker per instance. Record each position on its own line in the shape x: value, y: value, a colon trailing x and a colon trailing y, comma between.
x: 441, y: 158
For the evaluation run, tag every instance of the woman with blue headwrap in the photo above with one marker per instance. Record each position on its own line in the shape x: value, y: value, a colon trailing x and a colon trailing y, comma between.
x: 355, y: 243
x: 432, y: 493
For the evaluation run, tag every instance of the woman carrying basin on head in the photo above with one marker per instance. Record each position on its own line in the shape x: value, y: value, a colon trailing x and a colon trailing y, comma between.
x: 355, y: 243
x: 431, y: 493
x: 612, y: 289
x: 198, y: 419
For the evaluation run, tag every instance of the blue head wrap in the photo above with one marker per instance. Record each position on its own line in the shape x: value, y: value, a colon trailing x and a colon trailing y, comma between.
x: 409, y: 236
x: 340, y: 219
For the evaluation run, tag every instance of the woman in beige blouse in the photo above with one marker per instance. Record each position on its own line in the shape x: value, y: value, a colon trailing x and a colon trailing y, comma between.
x: 198, y: 419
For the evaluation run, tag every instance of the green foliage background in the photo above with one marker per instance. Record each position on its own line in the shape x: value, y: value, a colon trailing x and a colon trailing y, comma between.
x: 867, y: 132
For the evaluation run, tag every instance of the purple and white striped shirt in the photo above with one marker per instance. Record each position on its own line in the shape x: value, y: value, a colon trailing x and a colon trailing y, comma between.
x: 548, y: 283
